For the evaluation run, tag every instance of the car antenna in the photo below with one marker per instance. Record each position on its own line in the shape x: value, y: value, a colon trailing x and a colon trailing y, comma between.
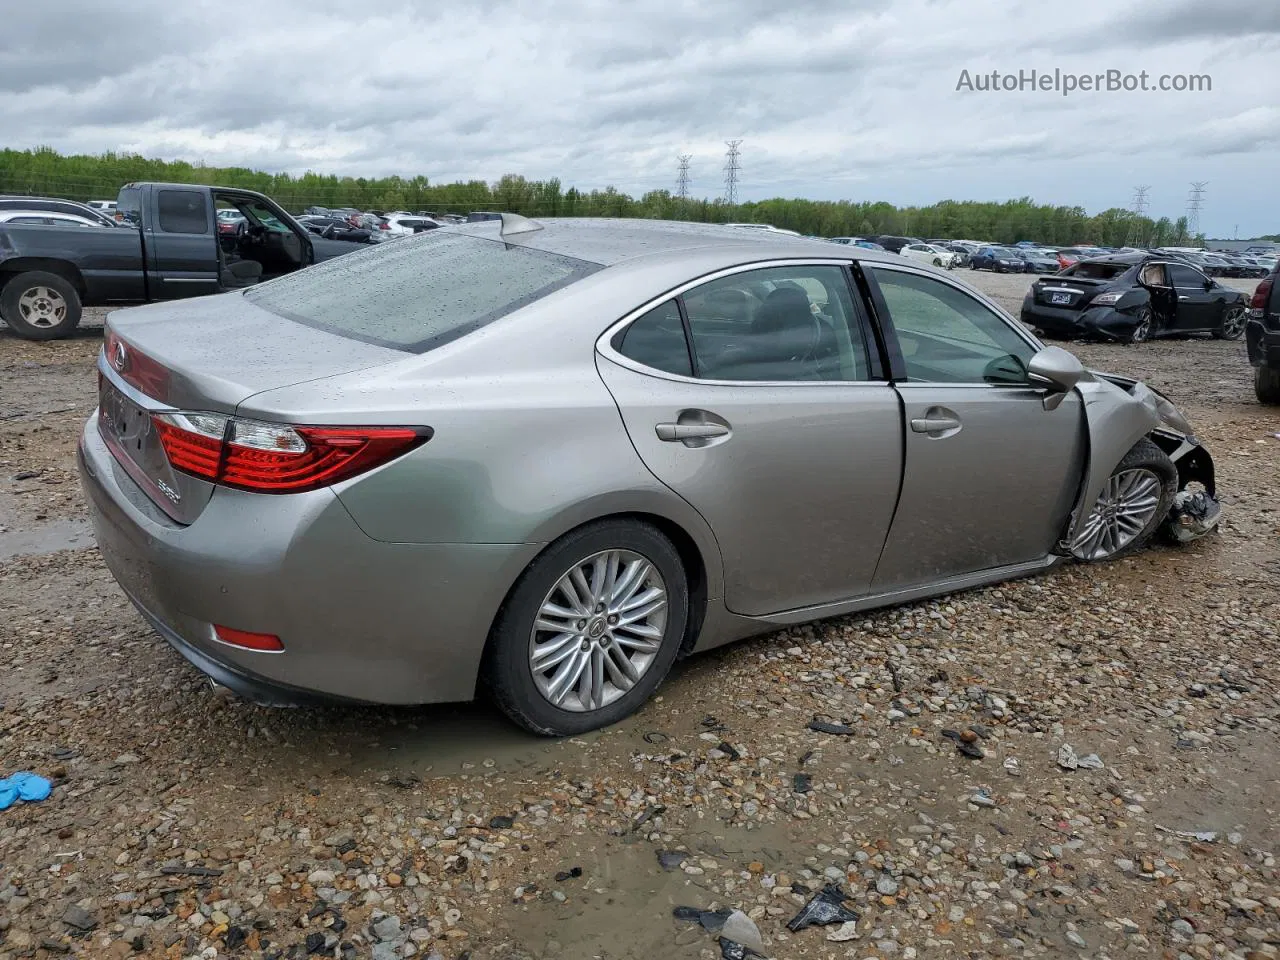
x: 513, y: 223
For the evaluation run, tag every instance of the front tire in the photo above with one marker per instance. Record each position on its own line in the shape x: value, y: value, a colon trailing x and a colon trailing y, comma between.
x: 1232, y: 325
x: 40, y: 306
x: 1266, y: 384
x: 1132, y: 506
x: 590, y: 629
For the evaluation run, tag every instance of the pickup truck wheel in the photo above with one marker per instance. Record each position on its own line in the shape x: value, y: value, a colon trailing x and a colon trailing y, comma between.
x: 40, y: 306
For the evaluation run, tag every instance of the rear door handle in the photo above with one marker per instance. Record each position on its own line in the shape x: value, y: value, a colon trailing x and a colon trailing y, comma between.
x: 676, y: 432
x: 1184, y: 298
x: 934, y: 424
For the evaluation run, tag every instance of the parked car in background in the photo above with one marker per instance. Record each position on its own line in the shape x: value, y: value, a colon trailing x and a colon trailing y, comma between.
x: 106, y: 206
x: 894, y: 244
x: 1038, y: 261
x: 170, y: 249
x: 929, y: 253
x: 335, y: 228
x: 366, y: 510
x: 407, y: 224
x: 229, y: 221
x: 998, y: 260
x: 963, y: 253
x: 1262, y: 338
x: 1132, y: 298
x: 1071, y: 255
x: 56, y: 205
x: 1263, y: 249
x: 49, y: 218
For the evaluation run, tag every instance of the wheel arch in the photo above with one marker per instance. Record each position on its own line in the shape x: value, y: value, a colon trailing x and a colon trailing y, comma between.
x: 692, y: 538
x: 12, y: 269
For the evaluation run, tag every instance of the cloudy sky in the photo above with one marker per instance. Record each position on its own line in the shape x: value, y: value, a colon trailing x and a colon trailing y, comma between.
x: 833, y: 98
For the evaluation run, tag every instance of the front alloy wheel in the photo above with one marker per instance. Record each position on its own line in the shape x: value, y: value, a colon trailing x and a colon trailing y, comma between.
x: 598, y: 630
x: 1232, y: 326
x: 1133, y: 503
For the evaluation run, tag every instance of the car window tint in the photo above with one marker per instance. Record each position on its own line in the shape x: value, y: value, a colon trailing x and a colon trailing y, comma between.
x: 1184, y: 276
x: 777, y: 324
x: 182, y: 211
x: 40, y: 220
x: 656, y: 339
x: 947, y: 336
x: 418, y: 292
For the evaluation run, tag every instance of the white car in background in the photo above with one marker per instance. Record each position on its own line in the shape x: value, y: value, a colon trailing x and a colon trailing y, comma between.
x: 930, y: 253
x: 47, y: 218
x: 407, y: 224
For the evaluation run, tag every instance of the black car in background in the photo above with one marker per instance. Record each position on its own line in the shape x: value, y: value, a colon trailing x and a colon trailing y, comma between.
x: 895, y: 244
x: 998, y: 259
x: 1262, y: 338
x: 1133, y: 297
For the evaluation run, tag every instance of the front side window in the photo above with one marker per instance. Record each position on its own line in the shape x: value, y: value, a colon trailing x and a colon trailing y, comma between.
x: 1185, y: 277
x: 182, y: 211
x: 946, y: 336
x: 792, y: 323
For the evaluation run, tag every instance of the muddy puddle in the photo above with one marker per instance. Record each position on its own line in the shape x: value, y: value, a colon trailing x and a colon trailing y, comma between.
x: 41, y: 537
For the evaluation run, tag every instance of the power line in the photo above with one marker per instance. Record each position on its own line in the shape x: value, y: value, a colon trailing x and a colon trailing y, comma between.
x: 1194, y: 202
x: 682, y: 178
x: 731, y: 170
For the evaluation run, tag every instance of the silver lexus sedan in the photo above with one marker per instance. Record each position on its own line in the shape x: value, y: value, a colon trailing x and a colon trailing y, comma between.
x: 550, y: 457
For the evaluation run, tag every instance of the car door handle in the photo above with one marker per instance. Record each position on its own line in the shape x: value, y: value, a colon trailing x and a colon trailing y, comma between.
x: 677, y: 432
x: 1183, y: 297
x: 934, y: 424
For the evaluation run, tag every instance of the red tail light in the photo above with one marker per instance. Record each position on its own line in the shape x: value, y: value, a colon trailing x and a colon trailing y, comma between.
x: 277, y: 458
x: 384, y: 226
x: 1261, y: 294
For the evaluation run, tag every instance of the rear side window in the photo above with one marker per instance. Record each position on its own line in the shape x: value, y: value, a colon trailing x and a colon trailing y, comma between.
x: 656, y: 339
x: 182, y: 211
x: 419, y: 292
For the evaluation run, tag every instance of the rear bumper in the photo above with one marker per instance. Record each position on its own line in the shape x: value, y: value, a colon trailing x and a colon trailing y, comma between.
x: 359, y: 619
x: 1104, y: 322
x: 1263, y: 344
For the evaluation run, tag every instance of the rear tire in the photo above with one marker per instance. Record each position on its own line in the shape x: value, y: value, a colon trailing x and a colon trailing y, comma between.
x: 524, y: 693
x: 40, y: 306
x: 1123, y: 521
x: 1266, y: 384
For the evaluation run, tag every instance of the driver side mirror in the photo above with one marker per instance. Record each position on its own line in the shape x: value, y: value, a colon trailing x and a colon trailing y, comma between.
x: 1057, y: 371
x: 1209, y: 284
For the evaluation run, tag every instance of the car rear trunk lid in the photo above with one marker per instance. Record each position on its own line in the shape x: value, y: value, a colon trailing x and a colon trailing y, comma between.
x: 1066, y: 293
x: 204, y: 355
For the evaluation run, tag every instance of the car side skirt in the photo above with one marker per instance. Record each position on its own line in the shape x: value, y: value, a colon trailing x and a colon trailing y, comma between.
x: 723, y: 627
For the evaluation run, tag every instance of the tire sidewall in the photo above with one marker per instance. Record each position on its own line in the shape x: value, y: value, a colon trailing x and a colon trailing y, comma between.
x: 507, y: 671
x: 1146, y: 455
x: 15, y: 288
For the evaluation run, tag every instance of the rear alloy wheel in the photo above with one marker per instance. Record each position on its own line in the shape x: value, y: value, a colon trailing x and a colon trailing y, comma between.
x: 1142, y: 329
x: 1266, y: 384
x: 40, y: 306
x: 1232, y: 326
x: 590, y: 630
x: 1134, y: 502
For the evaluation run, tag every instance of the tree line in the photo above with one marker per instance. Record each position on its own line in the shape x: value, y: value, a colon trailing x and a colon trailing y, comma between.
x: 44, y: 171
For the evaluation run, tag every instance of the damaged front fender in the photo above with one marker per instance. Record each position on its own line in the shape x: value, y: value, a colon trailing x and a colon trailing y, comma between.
x: 1119, y: 412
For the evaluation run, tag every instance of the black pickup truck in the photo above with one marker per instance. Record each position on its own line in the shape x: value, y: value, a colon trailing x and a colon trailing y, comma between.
x: 1262, y: 338
x: 175, y: 245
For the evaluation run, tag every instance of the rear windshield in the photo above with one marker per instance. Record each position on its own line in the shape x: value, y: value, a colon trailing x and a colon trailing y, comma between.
x: 418, y: 292
x: 1088, y: 270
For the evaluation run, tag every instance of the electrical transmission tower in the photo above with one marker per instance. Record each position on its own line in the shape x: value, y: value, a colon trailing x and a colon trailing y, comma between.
x: 1136, y: 228
x: 1194, y: 202
x: 682, y: 178
x: 731, y: 170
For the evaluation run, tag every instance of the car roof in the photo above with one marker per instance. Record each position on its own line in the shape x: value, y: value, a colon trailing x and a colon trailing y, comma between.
x: 608, y: 241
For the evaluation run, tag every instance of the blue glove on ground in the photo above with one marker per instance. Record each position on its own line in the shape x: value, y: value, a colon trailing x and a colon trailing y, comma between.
x: 23, y: 786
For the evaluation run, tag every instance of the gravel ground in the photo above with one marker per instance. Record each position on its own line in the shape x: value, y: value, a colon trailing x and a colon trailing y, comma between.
x: 187, y: 823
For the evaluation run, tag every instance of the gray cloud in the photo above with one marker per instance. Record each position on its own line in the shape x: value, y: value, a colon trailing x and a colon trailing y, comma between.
x: 833, y: 99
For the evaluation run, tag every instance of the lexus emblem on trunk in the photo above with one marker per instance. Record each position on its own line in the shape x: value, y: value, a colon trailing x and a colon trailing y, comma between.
x: 121, y: 357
